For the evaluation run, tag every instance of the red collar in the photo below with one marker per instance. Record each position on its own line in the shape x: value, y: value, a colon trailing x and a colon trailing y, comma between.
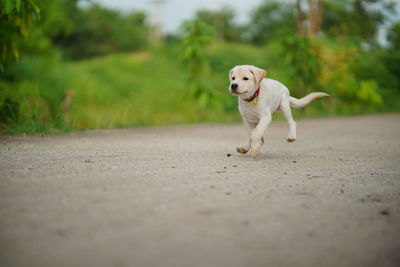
x: 253, y: 96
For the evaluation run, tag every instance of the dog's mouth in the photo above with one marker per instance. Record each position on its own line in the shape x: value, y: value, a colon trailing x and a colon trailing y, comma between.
x: 238, y: 94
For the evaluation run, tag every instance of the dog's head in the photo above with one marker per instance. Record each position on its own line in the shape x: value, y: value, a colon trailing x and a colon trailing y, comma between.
x: 245, y: 79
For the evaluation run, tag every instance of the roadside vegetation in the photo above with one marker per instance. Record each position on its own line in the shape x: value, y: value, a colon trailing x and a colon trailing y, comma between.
x: 67, y: 66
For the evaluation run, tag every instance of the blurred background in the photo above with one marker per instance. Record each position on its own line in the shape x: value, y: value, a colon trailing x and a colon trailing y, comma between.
x: 69, y: 65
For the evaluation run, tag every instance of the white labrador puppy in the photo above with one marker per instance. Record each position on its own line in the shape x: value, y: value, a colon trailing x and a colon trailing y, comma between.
x: 259, y: 98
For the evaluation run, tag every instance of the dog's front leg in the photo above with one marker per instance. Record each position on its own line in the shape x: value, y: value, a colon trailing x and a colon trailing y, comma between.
x: 250, y: 126
x: 258, y: 132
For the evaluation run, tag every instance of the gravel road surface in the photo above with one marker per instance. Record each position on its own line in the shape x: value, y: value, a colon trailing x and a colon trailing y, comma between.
x: 181, y: 196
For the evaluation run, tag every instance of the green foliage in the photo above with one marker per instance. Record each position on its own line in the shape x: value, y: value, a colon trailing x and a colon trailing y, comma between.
x: 394, y: 36
x: 351, y: 91
x: 33, y: 104
x: 99, y: 31
x: 151, y: 88
x: 355, y: 80
x: 16, y: 19
x: 302, y: 55
x: 185, y: 80
x: 196, y: 36
x: 356, y: 19
x: 222, y: 22
x: 271, y: 20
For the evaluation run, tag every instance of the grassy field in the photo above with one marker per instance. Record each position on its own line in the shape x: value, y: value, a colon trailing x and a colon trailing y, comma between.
x: 135, y: 89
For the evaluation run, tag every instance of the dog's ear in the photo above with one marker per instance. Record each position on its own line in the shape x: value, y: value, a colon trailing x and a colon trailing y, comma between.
x: 258, y: 73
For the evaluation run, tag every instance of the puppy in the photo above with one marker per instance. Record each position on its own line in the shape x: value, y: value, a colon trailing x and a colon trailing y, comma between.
x: 259, y: 98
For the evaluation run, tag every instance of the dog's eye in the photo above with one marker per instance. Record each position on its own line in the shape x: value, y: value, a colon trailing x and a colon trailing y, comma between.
x: 245, y: 78
x: 233, y: 78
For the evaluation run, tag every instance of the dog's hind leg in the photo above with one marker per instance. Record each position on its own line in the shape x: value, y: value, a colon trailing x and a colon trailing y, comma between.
x: 285, y: 108
x: 249, y: 128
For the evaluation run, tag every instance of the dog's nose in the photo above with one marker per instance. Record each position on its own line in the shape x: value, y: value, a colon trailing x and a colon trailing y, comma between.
x: 234, y: 86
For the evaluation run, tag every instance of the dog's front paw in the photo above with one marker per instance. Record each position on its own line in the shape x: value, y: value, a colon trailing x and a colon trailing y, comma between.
x: 291, y: 137
x: 255, y: 152
x: 241, y: 150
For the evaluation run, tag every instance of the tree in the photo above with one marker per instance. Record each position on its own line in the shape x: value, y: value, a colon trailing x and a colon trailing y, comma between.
x: 98, y: 31
x: 222, y: 22
x: 270, y: 20
x: 391, y: 57
x: 393, y: 36
x: 358, y: 19
x: 309, y: 23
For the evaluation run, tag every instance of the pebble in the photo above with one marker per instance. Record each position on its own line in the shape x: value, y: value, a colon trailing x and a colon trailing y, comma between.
x: 384, y: 212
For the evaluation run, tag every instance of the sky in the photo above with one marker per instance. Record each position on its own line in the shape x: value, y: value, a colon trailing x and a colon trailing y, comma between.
x: 175, y: 11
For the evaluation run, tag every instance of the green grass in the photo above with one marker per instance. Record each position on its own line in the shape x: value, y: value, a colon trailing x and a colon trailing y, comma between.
x: 129, y: 90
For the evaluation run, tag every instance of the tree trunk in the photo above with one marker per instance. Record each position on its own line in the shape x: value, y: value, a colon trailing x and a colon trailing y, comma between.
x: 312, y: 24
x: 318, y: 21
x: 299, y: 19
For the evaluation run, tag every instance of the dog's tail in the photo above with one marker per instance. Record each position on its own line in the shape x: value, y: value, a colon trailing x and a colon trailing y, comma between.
x: 298, y: 103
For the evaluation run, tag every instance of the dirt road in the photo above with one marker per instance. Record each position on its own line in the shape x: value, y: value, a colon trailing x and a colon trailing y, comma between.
x: 170, y: 196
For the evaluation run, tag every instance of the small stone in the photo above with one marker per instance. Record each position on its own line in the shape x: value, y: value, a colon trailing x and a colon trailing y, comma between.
x: 384, y: 212
x: 294, y: 161
x: 228, y: 155
x: 228, y: 193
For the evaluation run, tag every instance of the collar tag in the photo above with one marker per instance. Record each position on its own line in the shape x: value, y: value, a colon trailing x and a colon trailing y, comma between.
x: 254, y: 97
